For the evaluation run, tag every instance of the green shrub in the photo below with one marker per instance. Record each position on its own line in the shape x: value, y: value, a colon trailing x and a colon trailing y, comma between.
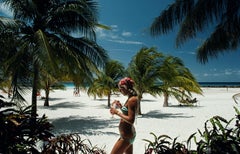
x: 220, y: 137
x: 165, y: 145
x: 70, y: 144
x: 19, y: 132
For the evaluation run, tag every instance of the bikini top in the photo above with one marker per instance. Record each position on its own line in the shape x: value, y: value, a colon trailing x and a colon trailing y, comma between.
x: 124, y: 110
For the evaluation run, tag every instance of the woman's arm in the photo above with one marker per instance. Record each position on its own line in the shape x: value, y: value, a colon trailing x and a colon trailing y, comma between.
x: 132, y: 109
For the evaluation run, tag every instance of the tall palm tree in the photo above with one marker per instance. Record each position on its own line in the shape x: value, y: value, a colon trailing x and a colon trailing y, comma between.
x: 143, y: 69
x: 196, y: 15
x: 43, y: 38
x: 106, y: 82
x: 176, y: 78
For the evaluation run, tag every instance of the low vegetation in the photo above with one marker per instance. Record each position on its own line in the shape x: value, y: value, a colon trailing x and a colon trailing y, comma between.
x: 218, y: 137
x: 20, y: 133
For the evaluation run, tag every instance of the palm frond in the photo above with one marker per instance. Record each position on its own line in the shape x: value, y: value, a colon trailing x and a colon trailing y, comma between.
x: 7, y: 23
x: 82, y: 13
x: 225, y: 37
x: 173, y: 15
x: 202, y: 14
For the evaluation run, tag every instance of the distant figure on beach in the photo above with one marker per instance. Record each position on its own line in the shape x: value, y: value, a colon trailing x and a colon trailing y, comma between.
x: 76, y: 91
x: 128, y: 112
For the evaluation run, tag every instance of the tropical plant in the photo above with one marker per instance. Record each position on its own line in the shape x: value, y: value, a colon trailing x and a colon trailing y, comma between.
x: 219, y: 138
x: 197, y: 15
x: 70, y: 144
x: 157, y: 74
x: 20, y: 133
x: 106, y: 82
x: 40, y: 35
x: 48, y: 82
x: 143, y: 69
x: 4, y: 103
x: 177, y: 80
x: 164, y: 144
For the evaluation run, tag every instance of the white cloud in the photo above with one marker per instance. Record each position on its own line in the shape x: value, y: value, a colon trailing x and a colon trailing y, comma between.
x: 205, y: 74
x: 126, y: 42
x: 215, y: 73
x: 113, y: 35
x: 228, y: 72
x: 114, y: 28
x: 126, y: 34
x: 187, y: 52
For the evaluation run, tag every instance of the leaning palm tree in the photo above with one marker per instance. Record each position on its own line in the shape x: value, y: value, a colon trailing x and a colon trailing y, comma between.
x: 106, y: 82
x: 196, y: 15
x: 143, y: 69
x: 158, y: 74
x: 43, y: 37
x: 176, y: 78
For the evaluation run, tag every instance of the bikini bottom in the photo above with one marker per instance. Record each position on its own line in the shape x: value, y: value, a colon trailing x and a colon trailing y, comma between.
x: 130, y: 140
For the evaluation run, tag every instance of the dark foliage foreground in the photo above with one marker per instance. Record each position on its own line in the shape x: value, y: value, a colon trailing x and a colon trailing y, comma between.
x: 219, y: 137
x: 20, y: 134
x: 70, y: 143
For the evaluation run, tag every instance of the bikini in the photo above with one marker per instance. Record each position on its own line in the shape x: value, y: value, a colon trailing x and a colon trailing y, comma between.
x: 124, y: 110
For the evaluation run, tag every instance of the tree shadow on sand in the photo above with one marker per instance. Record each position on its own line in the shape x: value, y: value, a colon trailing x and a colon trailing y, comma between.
x: 83, y: 125
x: 157, y: 114
x: 149, y: 100
x: 65, y: 105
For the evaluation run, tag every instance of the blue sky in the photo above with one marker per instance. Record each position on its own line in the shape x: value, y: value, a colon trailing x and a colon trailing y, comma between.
x: 130, y: 21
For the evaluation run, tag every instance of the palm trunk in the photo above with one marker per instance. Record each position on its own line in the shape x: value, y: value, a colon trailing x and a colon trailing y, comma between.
x: 165, y: 103
x: 46, y: 102
x: 34, y: 90
x: 139, y: 104
x: 47, y: 90
x: 109, y: 96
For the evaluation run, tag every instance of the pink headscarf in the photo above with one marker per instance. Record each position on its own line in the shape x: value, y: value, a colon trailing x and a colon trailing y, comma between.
x: 126, y: 83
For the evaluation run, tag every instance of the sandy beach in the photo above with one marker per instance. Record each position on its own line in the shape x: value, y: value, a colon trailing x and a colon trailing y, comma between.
x: 91, y: 118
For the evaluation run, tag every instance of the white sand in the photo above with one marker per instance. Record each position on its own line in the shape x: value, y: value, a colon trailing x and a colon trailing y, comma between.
x: 92, y: 119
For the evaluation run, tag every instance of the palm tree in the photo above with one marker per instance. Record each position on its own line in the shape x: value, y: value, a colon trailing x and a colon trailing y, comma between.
x: 157, y: 74
x: 143, y: 69
x: 176, y: 78
x: 106, y: 82
x: 195, y: 16
x: 43, y: 38
x: 48, y: 82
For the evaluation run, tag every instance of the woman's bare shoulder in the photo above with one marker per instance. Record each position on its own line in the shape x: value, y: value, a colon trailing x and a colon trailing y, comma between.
x: 133, y: 99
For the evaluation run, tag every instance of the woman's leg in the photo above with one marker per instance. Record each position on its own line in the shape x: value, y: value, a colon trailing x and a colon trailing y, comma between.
x: 129, y: 150
x: 120, y: 146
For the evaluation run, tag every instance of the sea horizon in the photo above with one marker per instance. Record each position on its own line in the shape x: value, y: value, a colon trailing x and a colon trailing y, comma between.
x: 202, y: 84
x: 219, y: 84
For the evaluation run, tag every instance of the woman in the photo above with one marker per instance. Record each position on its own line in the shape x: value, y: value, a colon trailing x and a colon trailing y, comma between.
x: 128, y: 111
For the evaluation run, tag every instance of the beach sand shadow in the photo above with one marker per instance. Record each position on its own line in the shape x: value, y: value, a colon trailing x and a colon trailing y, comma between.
x: 185, y: 106
x: 63, y: 105
x: 100, y: 99
x: 102, y: 106
x: 157, y: 114
x: 83, y: 125
x: 148, y: 100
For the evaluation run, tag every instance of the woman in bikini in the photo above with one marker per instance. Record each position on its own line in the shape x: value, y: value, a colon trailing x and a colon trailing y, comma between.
x: 128, y: 112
